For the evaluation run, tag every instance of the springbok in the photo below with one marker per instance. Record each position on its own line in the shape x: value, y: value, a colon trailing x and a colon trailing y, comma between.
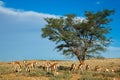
x: 112, y: 70
x: 47, y: 66
x: 98, y: 68
x: 109, y: 70
x: 17, y: 66
x: 73, y: 67
x: 31, y: 65
x: 54, y: 67
x: 87, y: 67
x: 82, y: 66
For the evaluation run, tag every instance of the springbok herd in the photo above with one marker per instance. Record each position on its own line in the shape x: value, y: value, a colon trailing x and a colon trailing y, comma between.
x: 83, y: 66
x: 54, y: 67
x: 29, y: 66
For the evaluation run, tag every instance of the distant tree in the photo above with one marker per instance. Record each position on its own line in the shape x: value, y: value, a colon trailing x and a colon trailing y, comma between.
x: 81, y: 38
x: 99, y: 57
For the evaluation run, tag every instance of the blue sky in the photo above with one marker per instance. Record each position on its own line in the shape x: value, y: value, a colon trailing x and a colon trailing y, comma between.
x: 21, y: 22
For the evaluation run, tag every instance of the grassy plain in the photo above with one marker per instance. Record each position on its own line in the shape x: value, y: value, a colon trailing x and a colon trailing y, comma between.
x: 7, y: 71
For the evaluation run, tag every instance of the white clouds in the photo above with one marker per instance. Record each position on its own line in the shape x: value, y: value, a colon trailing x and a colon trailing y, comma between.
x: 19, y: 12
x: 16, y: 19
x: 23, y: 14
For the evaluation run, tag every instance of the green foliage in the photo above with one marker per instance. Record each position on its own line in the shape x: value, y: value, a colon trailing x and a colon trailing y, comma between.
x: 74, y: 36
x: 99, y: 57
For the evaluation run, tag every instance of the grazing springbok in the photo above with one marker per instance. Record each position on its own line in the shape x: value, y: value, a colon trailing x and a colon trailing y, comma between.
x: 82, y: 66
x: 30, y: 65
x: 54, y: 67
x: 112, y: 70
x: 17, y: 66
x: 47, y: 66
x: 87, y: 67
x: 73, y: 67
x: 98, y: 68
x: 109, y: 70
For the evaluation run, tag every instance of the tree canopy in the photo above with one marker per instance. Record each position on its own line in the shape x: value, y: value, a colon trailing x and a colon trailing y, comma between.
x: 80, y: 37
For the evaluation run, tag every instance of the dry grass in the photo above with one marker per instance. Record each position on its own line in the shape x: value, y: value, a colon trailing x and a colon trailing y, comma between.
x: 7, y: 73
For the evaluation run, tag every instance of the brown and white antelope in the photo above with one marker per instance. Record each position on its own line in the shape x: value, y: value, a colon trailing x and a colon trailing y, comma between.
x: 87, y: 67
x: 112, y: 70
x: 30, y: 65
x: 46, y: 66
x: 54, y: 67
x: 98, y: 68
x: 82, y: 66
x: 109, y: 70
x: 17, y: 66
x: 73, y: 67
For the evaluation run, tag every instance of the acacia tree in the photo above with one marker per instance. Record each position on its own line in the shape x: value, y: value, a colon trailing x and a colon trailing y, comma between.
x: 81, y: 38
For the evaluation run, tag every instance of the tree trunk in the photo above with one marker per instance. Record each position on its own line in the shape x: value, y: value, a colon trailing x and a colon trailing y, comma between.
x: 83, y: 57
x: 77, y: 53
x: 79, y: 58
